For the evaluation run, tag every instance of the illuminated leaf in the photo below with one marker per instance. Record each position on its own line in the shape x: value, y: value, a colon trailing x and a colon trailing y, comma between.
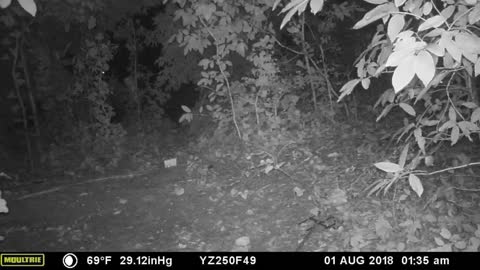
x: 399, y: 3
x: 432, y: 22
x: 417, y: 133
x: 447, y: 125
x: 415, y: 184
x: 407, y: 108
x: 455, y: 135
x: 276, y: 4
x: 429, y: 161
x: 366, y: 83
x: 403, y: 74
x: 452, y: 114
x: 435, y: 49
x: 447, y: 12
x: 470, y: 105
x: 395, y: 25
x: 475, y: 115
x: 452, y: 48
x: 5, y: 3
x: 29, y: 6
x: 388, y: 167
x: 375, y: 14
x: 348, y: 88
x: 293, y: 7
x: 424, y: 67
x: 186, y: 109
x: 403, y: 156
x: 316, y: 6
x: 474, y: 15
x: 427, y: 8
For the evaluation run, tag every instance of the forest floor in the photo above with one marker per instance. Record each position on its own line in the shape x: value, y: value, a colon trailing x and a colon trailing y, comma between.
x: 321, y: 206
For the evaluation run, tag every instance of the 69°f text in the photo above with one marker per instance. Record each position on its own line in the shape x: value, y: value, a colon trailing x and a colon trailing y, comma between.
x: 228, y: 260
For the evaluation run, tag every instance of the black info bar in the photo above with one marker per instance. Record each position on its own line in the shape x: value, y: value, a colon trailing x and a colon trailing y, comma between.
x: 238, y: 260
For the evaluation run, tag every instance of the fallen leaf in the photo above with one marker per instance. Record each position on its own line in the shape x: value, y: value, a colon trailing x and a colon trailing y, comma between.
x: 445, y: 233
x: 179, y: 191
x: 242, y: 241
x: 333, y: 155
x: 298, y: 191
x: 461, y: 244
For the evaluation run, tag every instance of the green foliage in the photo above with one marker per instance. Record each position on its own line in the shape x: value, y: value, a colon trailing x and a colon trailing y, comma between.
x: 433, y: 52
x: 87, y: 130
x: 261, y: 103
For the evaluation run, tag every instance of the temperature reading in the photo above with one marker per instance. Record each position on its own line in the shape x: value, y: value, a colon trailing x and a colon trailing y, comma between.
x: 96, y: 260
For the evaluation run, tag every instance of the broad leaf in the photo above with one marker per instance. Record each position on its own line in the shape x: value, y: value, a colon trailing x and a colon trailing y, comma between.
x: 206, y: 10
x: 276, y: 4
x: 407, y: 108
x: 475, y: 115
x: 451, y: 47
x: 447, y: 125
x: 415, y: 184
x: 474, y: 15
x: 375, y: 14
x: 468, y: 43
x: 186, y: 109
x: 399, y: 3
x: 294, y: 6
x: 403, y: 74
x: 388, y: 167
x: 470, y: 105
x: 427, y: 8
x: 452, y: 114
x: 316, y: 6
x: 455, y: 135
x: 465, y: 127
x: 403, y: 156
x: 5, y: 3
x: 435, y: 49
x: 348, y: 88
x: 428, y: 123
x: 385, y: 111
x: 424, y: 67
x: 291, y: 5
x: 395, y: 25
x: 429, y: 161
x: 417, y: 133
x: 432, y: 22
x: 447, y: 12
x: 29, y: 6
x: 366, y: 83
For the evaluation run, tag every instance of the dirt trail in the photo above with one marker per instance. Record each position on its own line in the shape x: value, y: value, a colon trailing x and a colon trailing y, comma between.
x: 220, y: 209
